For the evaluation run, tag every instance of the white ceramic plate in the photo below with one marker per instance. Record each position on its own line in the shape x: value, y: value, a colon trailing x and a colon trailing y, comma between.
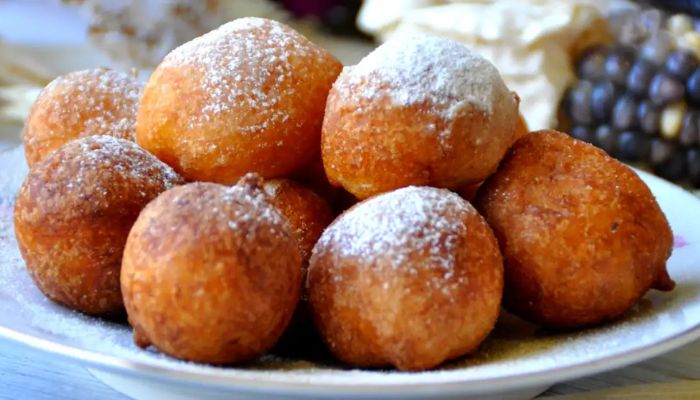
x: 518, y: 360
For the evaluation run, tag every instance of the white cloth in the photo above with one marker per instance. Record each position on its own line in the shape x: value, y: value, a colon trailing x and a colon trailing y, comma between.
x: 530, y: 41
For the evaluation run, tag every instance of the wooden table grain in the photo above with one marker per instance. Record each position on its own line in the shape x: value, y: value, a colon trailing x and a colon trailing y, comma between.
x: 26, y: 373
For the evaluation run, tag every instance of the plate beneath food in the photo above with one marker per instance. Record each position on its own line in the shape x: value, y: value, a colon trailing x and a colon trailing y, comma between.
x: 518, y: 359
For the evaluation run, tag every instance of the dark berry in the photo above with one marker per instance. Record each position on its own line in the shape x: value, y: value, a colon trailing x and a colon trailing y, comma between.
x: 693, y: 160
x: 665, y: 89
x: 648, y: 117
x: 657, y: 47
x: 693, y: 86
x: 673, y: 170
x: 579, y: 103
x: 603, y: 100
x: 681, y: 63
x: 640, y: 77
x: 591, y: 66
x: 690, y: 131
x: 632, y: 146
x: 618, y: 64
x: 583, y: 133
x: 661, y: 151
x: 606, y: 138
x: 624, y: 113
x: 651, y: 19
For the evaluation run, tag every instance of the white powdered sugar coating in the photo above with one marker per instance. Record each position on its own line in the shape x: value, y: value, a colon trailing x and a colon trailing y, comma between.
x: 119, y: 157
x: 249, y: 191
x: 247, y: 61
x: 97, y: 172
x: 515, y: 350
x: 429, y: 71
x: 125, y: 157
x: 102, y: 100
x: 400, y: 224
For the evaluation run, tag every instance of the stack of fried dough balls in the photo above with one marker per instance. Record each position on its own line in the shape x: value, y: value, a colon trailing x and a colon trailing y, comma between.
x: 73, y: 214
x: 412, y: 275
x: 82, y: 103
x: 246, y: 97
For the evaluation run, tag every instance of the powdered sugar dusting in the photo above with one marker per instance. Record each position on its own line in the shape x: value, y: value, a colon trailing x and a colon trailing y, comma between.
x: 102, y: 100
x: 121, y: 157
x: 246, y: 61
x: 514, y: 351
x: 398, y: 224
x: 98, y: 172
x: 124, y: 157
x: 433, y: 72
x: 249, y: 190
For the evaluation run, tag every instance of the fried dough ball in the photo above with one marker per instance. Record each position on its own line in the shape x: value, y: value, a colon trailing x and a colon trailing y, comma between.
x: 246, y: 97
x: 211, y: 273
x: 418, y: 110
x: 314, y: 176
x: 78, y: 104
x: 74, y: 212
x: 409, y: 278
x: 307, y: 213
x: 582, y: 236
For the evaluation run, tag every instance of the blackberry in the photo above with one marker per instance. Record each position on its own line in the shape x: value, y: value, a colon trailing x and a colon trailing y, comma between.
x: 639, y: 98
x: 632, y: 146
x: 692, y: 87
x: 681, y: 63
x: 579, y: 103
x: 640, y: 77
x: 690, y: 131
x: 618, y: 64
x: 603, y: 98
x: 665, y: 89
x: 583, y: 133
x: 624, y: 113
x: 606, y: 138
x: 649, y: 117
x: 591, y: 66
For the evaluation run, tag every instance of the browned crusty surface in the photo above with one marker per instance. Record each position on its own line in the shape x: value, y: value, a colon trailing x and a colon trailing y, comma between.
x: 307, y: 214
x: 246, y: 97
x: 582, y: 236
x: 211, y: 273
x: 417, y: 111
x: 74, y: 212
x: 409, y: 279
x: 78, y: 104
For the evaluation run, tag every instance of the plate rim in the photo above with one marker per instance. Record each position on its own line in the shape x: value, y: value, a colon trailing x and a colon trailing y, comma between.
x: 272, y: 383
x: 269, y: 384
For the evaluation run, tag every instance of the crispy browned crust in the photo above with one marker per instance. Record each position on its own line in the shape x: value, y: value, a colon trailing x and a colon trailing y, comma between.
x: 420, y: 326
x: 307, y: 213
x: 373, y: 146
x: 78, y: 105
x: 72, y: 217
x: 209, y: 275
x: 582, y: 235
x: 218, y: 151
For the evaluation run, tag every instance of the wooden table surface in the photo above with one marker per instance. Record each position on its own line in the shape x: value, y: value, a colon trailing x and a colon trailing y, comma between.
x: 26, y: 373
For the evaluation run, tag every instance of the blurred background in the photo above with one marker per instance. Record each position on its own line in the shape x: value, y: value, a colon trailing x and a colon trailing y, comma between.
x: 620, y: 74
